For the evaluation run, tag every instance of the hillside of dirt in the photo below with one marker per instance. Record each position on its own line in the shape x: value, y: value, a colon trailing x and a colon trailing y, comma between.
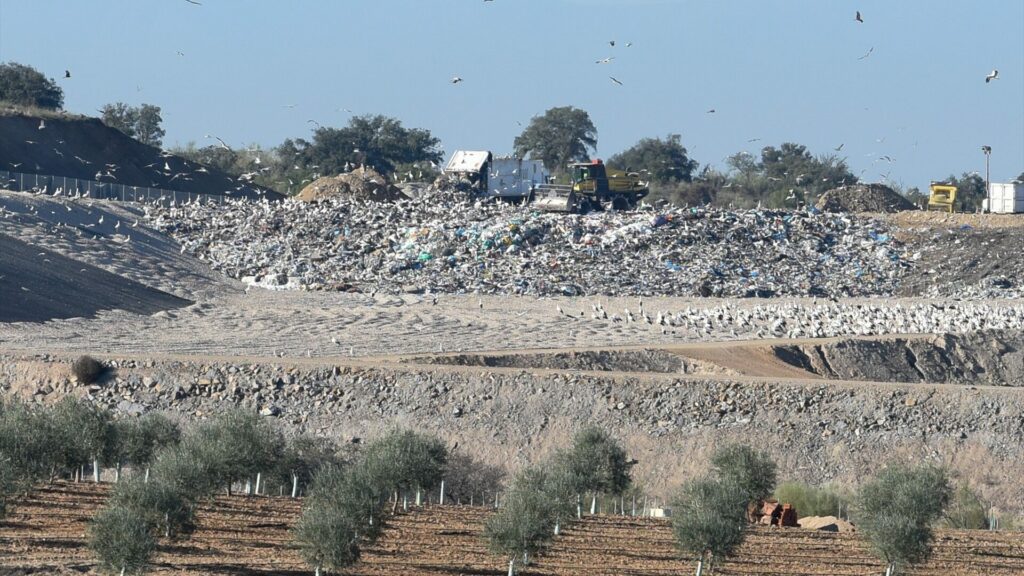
x: 85, y: 148
x: 46, y: 534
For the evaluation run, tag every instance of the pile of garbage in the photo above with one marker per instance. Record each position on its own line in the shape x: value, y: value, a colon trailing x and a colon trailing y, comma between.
x: 440, y: 242
x: 365, y: 183
x: 864, y: 198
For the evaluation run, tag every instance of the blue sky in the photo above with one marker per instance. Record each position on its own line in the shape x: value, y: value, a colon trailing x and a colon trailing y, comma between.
x: 254, y: 71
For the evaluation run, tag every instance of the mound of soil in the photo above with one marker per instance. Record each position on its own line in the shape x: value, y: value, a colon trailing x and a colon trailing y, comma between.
x: 826, y: 524
x: 864, y: 198
x: 87, y: 149
x: 363, y: 183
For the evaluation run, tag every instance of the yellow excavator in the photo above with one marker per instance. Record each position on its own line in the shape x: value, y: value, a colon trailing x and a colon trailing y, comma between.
x: 943, y: 198
x: 593, y: 186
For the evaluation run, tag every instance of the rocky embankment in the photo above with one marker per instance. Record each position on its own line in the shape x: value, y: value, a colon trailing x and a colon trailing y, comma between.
x: 818, y: 431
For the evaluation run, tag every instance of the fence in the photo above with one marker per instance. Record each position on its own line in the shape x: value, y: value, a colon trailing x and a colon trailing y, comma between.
x: 78, y: 187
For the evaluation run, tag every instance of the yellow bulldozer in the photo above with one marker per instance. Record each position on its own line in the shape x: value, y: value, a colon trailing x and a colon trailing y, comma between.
x: 593, y: 186
x: 943, y: 198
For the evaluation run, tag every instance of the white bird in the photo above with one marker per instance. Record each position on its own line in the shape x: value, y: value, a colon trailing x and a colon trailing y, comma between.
x: 868, y: 53
x: 993, y: 75
x: 607, y: 60
x: 42, y: 123
x: 614, y: 79
x: 456, y: 80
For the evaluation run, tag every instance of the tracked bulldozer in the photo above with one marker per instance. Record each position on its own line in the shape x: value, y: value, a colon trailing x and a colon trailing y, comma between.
x: 593, y: 186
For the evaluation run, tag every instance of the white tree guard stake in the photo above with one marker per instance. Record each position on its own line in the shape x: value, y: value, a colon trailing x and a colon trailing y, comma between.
x: 579, y: 507
x: 117, y: 473
x: 593, y: 504
x: 96, y: 470
x: 248, y: 487
x: 295, y: 486
x: 259, y: 476
x: 512, y: 567
x: 405, y: 502
x: 633, y: 509
x: 700, y: 566
x: 888, y: 570
x: 419, y: 500
x: 441, y: 500
x: 556, y: 528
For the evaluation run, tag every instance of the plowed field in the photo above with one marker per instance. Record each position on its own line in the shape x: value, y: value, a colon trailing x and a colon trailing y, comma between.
x: 238, y: 535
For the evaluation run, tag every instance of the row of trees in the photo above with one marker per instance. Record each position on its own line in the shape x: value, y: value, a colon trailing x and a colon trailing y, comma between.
x: 785, y: 176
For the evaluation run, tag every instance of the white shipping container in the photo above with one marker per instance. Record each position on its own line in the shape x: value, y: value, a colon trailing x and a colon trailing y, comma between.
x: 1006, y: 198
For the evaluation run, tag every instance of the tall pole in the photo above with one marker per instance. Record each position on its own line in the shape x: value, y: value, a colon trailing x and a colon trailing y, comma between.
x: 988, y: 184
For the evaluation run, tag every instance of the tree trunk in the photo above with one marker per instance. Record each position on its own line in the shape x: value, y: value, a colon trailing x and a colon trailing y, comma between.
x: 295, y: 486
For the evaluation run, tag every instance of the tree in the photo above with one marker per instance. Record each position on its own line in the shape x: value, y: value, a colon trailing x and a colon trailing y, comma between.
x: 138, y: 440
x: 140, y: 122
x: 121, y: 540
x: 787, y: 172
x: 664, y: 161
x: 897, y: 510
x: 596, y: 463
x: 26, y: 86
x: 753, y: 471
x: 966, y: 511
x: 84, y: 432
x: 561, y: 136
x: 303, y: 456
x: 378, y: 142
x: 708, y: 515
x: 402, y: 460
x: 341, y: 508
x: 161, y: 503
x: 525, y: 522
x: 237, y: 446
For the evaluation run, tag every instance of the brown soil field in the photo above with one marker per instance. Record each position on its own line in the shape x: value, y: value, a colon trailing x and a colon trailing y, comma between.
x: 47, y: 534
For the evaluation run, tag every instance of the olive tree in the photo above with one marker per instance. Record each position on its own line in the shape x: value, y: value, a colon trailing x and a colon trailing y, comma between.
x: 140, y: 439
x: 897, y: 510
x: 302, y: 457
x: 341, y: 509
x: 121, y: 540
x: 708, y: 516
x: 753, y: 471
x: 525, y: 522
x: 84, y: 432
x: 404, y: 460
x: 595, y: 463
x: 237, y: 446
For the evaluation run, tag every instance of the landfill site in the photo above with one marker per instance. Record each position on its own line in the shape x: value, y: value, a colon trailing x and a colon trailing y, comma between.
x: 832, y: 339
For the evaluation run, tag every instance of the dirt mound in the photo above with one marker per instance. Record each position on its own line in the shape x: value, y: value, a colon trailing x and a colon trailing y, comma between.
x: 85, y: 148
x: 826, y: 524
x: 864, y: 198
x: 364, y: 183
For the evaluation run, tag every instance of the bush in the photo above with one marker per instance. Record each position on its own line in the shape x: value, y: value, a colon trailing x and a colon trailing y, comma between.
x: 87, y: 369
x: 158, y: 502
x: 751, y: 470
x: 121, y: 540
x: 897, y: 510
x: 967, y: 511
x: 708, y: 516
x: 812, y: 500
x: 236, y: 446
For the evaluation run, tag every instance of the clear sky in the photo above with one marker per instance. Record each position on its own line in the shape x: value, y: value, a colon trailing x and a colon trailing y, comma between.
x: 255, y: 71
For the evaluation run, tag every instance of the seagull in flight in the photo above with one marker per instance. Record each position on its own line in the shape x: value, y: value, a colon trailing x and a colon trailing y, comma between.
x: 193, y: 2
x: 616, y: 80
x: 993, y: 75
x: 868, y: 53
x: 858, y: 17
x: 840, y: 147
x: 67, y: 73
x: 456, y: 79
x: 605, y: 60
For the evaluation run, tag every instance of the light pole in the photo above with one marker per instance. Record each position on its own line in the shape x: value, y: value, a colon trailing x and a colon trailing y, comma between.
x: 988, y: 186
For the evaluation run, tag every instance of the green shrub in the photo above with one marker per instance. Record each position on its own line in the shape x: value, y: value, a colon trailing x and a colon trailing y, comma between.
x: 121, y: 540
x: 158, y: 502
x: 87, y: 369
x: 966, y: 510
x: 405, y: 460
x: 812, y: 500
x: 327, y: 536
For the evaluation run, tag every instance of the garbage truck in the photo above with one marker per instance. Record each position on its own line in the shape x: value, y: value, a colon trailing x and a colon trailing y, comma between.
x: 593, y: 186
x: 489, y: 176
